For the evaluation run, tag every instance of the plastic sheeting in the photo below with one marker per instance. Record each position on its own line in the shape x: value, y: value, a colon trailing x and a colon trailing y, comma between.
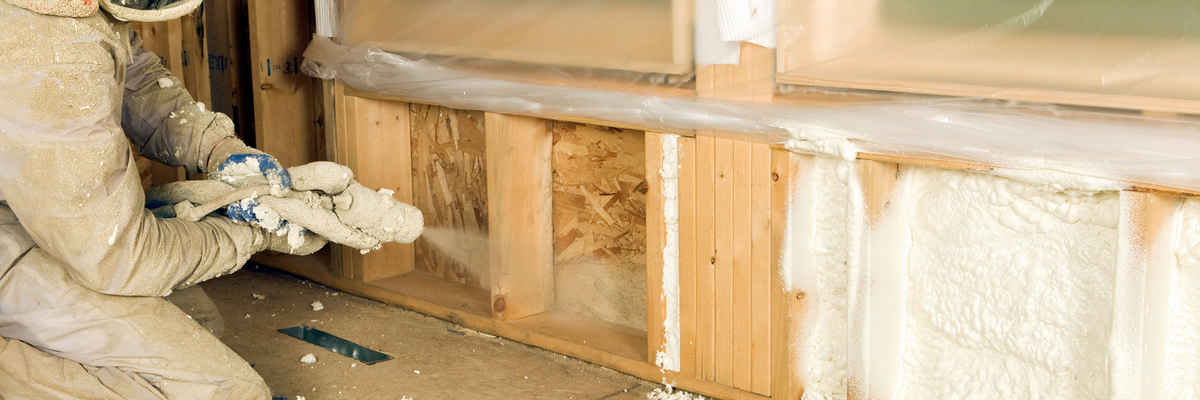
x: 1120, y: 147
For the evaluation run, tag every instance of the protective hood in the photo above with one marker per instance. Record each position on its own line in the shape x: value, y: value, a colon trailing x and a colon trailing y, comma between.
x: 149, y: 10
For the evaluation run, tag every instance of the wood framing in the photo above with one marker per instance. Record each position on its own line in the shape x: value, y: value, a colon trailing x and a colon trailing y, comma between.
x: 731, y: 237
x: 657, y: 306
x: 194, y: 55
x: 656, y: 232
x: 874, y: 307
x: 546, y: 191
x: 227, y: 49
x: 285, y: 100
x: 788, y: 307
x: 1145, y: 281
x: 519, y: 208
x: 371, y: 133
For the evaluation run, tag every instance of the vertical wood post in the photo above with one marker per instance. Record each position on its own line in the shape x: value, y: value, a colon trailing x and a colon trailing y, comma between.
x: 521, y: 251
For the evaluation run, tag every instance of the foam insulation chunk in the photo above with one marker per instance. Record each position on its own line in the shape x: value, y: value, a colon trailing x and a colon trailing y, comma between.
x: 818, y: 227
x: 1009, y: 289
x: 1182, y: 353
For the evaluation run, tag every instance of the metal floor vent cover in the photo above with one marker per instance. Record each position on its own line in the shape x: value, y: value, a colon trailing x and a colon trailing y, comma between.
x: 335, y: 344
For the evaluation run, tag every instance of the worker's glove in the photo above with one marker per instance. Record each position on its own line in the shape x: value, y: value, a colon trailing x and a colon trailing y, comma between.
x: 244, y: 169
x: 247, y: 169
x: 243, y: 166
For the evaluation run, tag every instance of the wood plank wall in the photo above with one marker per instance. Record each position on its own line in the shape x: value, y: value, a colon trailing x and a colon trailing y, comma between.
x: 726, y: 200
x: 788, y: 307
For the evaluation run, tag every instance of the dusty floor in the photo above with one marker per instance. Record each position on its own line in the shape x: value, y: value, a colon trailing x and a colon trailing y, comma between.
x: 453, y: 363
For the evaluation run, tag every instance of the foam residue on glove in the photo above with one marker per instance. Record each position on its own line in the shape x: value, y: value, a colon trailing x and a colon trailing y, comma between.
x: 265, y: 217
x: 235, y: 173
x: 295, y: 236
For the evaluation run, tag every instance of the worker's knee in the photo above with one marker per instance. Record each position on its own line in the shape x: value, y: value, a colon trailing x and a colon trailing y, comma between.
x: 246, y: 387
x: 236, y: 382
x: 117, y: 285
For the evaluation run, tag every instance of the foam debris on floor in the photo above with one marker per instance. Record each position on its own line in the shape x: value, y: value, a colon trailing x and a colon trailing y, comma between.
x: 470, y: 365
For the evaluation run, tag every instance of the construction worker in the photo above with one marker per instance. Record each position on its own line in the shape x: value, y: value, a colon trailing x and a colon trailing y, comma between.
x: 83, y: 265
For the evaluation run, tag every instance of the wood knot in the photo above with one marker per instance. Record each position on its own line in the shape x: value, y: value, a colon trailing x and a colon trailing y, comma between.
x: 712, y: 260
x: 775, y: 176
x: 498, y: 305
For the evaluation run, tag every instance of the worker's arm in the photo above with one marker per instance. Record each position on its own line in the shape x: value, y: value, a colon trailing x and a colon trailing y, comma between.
x: 82, y: 202
x: 163, y: 120
x: 68, y: 172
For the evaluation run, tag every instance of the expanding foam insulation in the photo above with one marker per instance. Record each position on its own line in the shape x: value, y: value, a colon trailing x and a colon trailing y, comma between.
x: 1009, y: 288
x: 1007, y: 285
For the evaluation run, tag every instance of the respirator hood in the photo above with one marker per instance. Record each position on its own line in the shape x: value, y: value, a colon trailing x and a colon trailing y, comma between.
x: 149, y: 10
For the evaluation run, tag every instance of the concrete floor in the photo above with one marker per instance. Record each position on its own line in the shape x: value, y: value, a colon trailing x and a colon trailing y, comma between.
x: 453, y: 362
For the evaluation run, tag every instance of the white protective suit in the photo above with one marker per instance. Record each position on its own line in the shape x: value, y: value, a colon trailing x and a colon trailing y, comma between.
x: 83, y: 264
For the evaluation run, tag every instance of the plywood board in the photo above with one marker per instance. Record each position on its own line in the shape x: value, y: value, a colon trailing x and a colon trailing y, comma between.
x: 600, y: 222
x: 635, y: 35
x: 449, y: 169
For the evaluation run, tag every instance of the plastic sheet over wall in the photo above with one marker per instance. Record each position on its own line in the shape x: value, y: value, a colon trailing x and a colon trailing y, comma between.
x: 1120, y: 147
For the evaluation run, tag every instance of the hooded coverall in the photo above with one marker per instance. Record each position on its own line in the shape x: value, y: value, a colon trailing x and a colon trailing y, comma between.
x: 83, y: 265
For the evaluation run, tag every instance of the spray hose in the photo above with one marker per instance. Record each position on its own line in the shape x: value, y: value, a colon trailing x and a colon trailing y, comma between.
x: 323, y: 199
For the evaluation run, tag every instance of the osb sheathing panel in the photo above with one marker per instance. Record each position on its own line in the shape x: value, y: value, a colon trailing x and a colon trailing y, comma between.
x: 599, y: 209
x: 450, y: 185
